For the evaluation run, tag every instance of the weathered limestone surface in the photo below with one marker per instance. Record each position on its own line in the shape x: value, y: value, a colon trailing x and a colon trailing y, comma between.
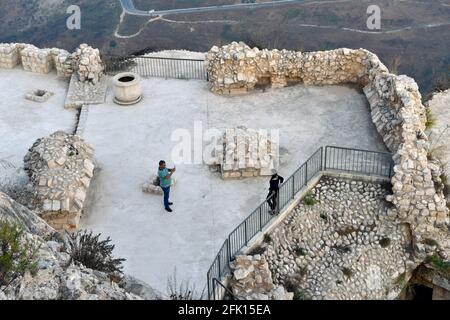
x: 60, y: 168
x: 252, y: 280
x: 243, y: 153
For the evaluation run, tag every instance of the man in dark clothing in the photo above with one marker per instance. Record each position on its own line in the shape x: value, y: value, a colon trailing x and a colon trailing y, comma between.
x: 272, y: 198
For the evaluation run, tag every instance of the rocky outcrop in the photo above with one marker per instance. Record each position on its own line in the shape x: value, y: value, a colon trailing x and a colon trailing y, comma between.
x: 60, y: 168
x: 252, y: 280
x: 56, y: 277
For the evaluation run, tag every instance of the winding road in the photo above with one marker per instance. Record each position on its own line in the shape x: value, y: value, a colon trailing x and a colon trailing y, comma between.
x: 129, y: 8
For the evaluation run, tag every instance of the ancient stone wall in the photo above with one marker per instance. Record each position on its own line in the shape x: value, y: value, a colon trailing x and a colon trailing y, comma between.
x: 244, y: 153
x: 9, y: 56
x: 85, y: 60
x: 60, y: 168
x: 396, y: 107
x: 36, y: 60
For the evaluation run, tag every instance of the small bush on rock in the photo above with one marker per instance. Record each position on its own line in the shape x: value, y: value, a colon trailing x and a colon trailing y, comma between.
x: 299, y: 251
x: 431, y: 119
x: 17, y: 254
x: 430, y: 242
x: 347, y: 272
x: 439, y: 264
x: 385, y: 242
x: 310, y: 200
x: 267, y: 238
x: 87, y: 249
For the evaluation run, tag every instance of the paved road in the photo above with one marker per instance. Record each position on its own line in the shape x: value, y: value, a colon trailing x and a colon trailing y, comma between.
x: 128, y: 7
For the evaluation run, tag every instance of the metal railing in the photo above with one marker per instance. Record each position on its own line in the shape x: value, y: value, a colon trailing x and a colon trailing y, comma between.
x: 358, y: 161
x: 331, y: 158
x: 222, y: 292
x: 148, y: 66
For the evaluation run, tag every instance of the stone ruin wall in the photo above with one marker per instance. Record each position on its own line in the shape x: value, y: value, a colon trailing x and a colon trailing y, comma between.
x: 60, y: 168
x: 396, y: 108
x: 244, y: 153
x: 85, y: 62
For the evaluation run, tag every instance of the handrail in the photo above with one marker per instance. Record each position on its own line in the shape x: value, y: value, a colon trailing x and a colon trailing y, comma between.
x: 262, y: 216
x: 227, y: 291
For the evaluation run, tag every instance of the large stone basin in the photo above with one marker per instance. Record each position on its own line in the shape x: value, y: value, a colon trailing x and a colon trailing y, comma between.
x: 127, y: 88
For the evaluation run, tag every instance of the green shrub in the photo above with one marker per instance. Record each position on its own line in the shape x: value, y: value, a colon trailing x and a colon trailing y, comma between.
x: 439, y: 264
x: 299, y: 293
x: 324, y: 217
x: 310, y: 199
x: 431, y: 119
x: 292, y: 13
x: 347, y: 272
x: 86, y: 249
x: 430, y: 242
x: 299, y: 251
x: 401, y: 279
x: 17, y: 253
x: 257, y: 250
x: 385, y: 242
x: 267, y: 238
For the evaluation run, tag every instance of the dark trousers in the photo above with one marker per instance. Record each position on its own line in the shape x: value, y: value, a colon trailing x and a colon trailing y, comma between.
x: 272, y: 199
x: 166, y: 191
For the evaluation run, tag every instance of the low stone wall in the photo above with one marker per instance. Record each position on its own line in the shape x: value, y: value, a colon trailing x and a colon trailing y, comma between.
x: 396, y: 107
x: 60, y: 168
x: 36, y: 60
x: 85, y: 60
x: 9, y: 56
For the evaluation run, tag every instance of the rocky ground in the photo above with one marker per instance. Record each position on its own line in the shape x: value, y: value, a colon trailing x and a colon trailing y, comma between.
x: 56, y: 277
x: 345, y: 246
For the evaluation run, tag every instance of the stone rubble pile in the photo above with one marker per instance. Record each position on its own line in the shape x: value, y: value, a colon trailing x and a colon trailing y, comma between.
x: 242, y: 153
x: 347, y: 246
x: 252, y: 280
x: 88, y: 64
x: 60, y: 168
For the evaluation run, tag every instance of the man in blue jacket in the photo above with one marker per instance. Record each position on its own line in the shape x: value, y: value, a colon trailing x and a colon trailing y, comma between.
x: 165, y: 181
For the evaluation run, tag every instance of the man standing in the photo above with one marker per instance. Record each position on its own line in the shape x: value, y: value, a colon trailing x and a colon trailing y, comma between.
x: 165, y: 181
x: 272, y: 198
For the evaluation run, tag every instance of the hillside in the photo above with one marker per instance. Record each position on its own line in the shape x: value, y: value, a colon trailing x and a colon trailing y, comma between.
x: 414, y: 40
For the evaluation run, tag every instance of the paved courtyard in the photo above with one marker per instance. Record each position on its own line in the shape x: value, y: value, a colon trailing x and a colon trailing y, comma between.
x: 23, y: 121
x: 130, y: 141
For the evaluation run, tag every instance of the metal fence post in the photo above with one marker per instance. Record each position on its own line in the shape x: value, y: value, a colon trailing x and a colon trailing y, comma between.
x: 293, y: 186
x: 325, y: 162
x: 306, y: 173
x: 260, y: 219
